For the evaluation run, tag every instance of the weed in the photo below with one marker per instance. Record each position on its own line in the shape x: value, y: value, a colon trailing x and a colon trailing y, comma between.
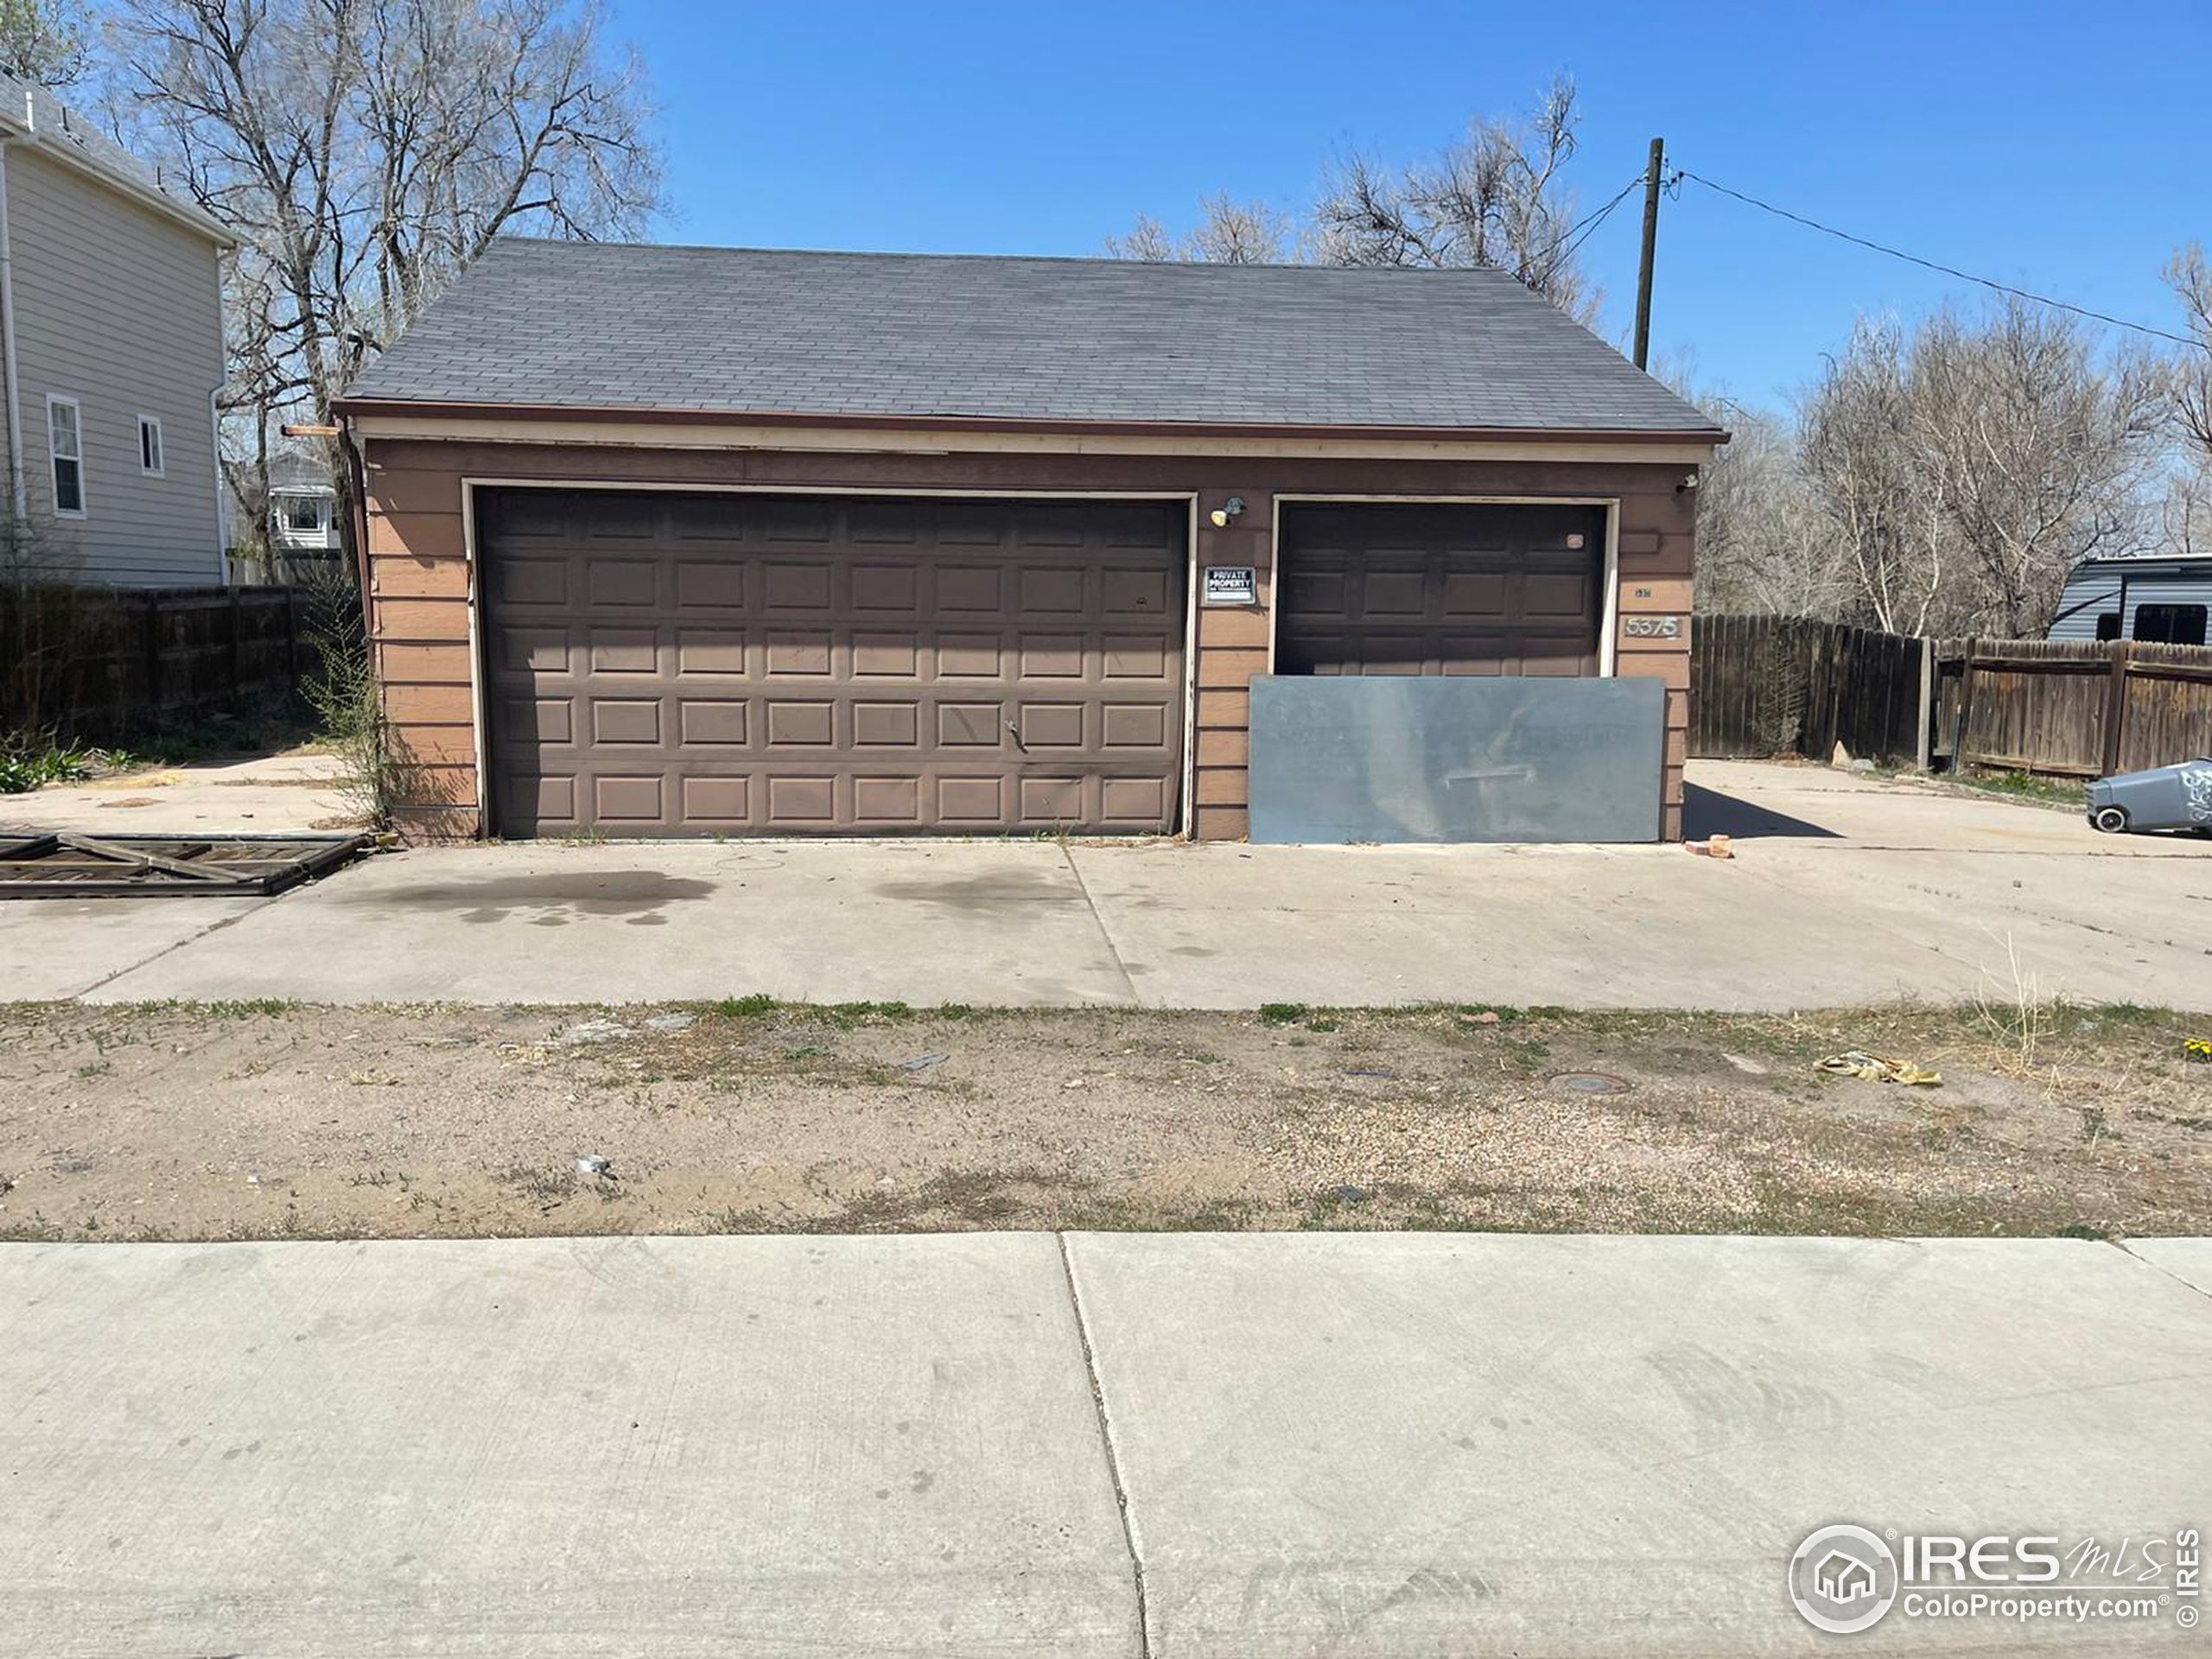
x: 95, y: 1069
x: 744, y: 1008
x: 541, y: 1186
x: 2020, y: 1016
x: 2095, y: 1128
x: 30, y: 760
x: 1281, y: 1013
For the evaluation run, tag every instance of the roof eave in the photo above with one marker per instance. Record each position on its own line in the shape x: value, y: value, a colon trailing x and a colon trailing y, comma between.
x: 13, y: 130
x: 622, y: 415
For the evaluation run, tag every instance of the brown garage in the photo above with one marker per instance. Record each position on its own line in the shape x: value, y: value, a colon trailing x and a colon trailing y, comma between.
x: 797, y: 543
x: 661, y: 663
x: 1431, y: 588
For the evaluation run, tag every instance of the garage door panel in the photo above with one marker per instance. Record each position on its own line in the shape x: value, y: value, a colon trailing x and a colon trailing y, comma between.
x: 968, y: 655
x: 709, y: 651
x: 1053, y: 591
x: 794, y: 586
x: 970, y: 725
x: 887, y: 725
x: 1435, y: 589
x: 768, y: 665
x: 626, y: 720
x: 717, y: 803
x: 709, y: 584
x: 892, y: 589
x: 791, y: 652
x: 719, y: 723
x: 534, y: 581
x: 623, y: 650
x: 891, y: 656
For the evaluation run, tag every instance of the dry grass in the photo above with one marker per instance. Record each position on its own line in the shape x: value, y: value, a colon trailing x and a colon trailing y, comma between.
x: 264, y: 1120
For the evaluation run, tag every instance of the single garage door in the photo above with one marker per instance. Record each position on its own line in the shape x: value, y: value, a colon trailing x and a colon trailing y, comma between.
x: 1423, y: 590
x: 661, y: 664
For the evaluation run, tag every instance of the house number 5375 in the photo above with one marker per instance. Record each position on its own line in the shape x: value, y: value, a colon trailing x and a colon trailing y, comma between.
x: 1652, y: 627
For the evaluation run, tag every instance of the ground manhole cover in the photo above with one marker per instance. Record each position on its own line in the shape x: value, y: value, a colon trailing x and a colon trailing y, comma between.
x: 1590, y: 1083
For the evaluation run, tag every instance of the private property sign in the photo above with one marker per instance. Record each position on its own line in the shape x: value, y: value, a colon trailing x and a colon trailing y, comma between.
x: 1232, y: 584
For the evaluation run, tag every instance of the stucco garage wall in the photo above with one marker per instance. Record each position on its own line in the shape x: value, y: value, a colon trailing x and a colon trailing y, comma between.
x: 419, y: 579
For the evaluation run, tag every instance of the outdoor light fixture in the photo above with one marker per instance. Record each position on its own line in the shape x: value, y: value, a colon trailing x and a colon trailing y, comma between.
x: 1231, y: 509
x: 1689, y: 483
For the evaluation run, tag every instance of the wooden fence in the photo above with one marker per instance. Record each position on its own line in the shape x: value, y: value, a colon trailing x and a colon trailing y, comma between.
x: 1762, y: 686
x: 107, y: 665
x: 2074, y: 708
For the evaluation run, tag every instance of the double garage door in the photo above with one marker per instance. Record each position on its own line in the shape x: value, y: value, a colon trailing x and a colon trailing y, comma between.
x: 662, y: 664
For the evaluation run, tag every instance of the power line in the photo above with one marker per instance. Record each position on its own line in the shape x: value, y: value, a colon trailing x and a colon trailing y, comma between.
x: 1682, y: 173
x: 1571, y: 240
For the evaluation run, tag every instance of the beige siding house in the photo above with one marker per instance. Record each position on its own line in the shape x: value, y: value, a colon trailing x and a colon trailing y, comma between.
x: 112, y: 347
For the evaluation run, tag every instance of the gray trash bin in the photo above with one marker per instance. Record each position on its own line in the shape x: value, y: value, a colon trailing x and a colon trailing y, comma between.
x: 2166, y: 797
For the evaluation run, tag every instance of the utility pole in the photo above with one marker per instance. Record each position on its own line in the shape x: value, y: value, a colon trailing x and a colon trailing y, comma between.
x: 1651, y: 247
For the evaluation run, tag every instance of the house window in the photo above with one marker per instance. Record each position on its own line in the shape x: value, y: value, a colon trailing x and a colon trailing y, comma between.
x: 304, y: 513
x: 150, y: 446
x: 2171, y: 625
x: 2108, y: 627
x: 64, y: 430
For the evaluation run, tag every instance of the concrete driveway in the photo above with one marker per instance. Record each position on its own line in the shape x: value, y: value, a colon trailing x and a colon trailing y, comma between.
x: 1847, y: 889
x: 263, y: 795
x: 1186, y: 1446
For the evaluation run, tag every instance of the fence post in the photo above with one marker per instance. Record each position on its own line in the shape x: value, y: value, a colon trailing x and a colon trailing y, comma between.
x: 2115, y: 706
x: 154, y: 710
x: 1924, y: 756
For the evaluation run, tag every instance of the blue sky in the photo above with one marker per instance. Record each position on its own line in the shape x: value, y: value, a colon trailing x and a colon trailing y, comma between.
x: 2062, y: 147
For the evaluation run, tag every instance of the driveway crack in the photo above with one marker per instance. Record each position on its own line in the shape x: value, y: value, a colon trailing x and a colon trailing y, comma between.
x: 84, y: 991
x: 1113, y: 1453
x: 1105, y: 934
x: 2120, y: 1244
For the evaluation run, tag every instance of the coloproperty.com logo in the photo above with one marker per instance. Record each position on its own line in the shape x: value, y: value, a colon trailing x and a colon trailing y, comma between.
x: 1846, y: 1578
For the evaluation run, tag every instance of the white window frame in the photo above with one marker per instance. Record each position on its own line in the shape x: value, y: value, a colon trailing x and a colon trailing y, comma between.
x: 322, y: 514
x: 54, y: 457
x: 160, y: 468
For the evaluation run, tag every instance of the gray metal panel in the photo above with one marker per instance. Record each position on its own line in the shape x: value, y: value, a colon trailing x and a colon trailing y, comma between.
x: 1357, y: 759
x: 587, y: 325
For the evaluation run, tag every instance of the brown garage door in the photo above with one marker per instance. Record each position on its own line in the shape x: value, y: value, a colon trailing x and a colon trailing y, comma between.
x: 1421, y: 589
x: 672, y: 665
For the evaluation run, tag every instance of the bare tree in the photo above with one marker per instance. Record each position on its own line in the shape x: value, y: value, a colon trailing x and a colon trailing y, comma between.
x: 44, y: 42
x: 1856, y: 445
x: 1962, y: 471
x: 1761, y: 545
x: 2190, y: 275
x: 1229, y: 233
x: 1494, y: 199
x: 367, y: 152
x: 2037, y: 445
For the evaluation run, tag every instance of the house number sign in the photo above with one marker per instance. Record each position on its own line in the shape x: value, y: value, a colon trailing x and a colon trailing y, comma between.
x: 1232, y: 584
x: 1652, y: 627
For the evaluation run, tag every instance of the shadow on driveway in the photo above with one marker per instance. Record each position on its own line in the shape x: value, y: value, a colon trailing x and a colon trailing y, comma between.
x: 1708, y: 812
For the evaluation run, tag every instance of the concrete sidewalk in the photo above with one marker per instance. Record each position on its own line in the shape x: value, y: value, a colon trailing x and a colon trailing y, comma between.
x: 1847, y: 890
x: 1179, y: 1445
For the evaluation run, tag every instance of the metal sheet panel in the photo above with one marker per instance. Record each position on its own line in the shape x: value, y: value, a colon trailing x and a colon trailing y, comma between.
x: 1359, y: 758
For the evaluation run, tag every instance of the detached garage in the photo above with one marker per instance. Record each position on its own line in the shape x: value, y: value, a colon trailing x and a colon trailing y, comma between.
x: 698, y: 541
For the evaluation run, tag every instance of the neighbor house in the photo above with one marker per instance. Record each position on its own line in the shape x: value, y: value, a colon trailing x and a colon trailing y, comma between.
x: 111, y: 352
x: 2160, y: 599
x: 693, y: 541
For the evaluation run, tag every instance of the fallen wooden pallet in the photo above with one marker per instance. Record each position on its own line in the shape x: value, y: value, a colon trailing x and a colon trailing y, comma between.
x: 55, y: 865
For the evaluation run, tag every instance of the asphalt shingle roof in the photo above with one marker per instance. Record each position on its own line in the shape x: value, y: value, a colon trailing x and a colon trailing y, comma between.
x: 599, y: 325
